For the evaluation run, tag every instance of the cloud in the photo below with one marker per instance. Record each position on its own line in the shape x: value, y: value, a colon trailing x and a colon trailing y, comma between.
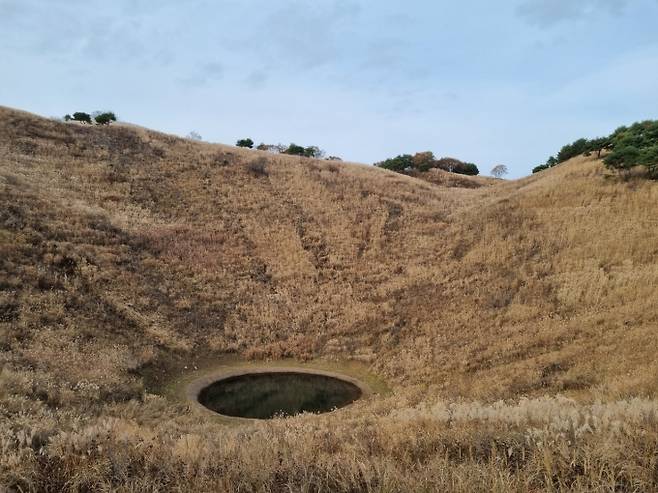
x: 203, y: 74
x: 547, y: 13
x: 73, y: 30
x: 303, y: 35
x: 256, y: 79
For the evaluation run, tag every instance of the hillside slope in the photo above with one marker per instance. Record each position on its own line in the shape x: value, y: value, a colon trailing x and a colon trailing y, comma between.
x: 126, y: 253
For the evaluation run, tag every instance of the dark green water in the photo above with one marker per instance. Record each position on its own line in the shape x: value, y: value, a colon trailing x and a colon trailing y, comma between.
x: 266, y: 395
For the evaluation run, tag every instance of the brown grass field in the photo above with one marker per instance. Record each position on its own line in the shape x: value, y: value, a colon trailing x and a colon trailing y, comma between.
x: 514, y: 323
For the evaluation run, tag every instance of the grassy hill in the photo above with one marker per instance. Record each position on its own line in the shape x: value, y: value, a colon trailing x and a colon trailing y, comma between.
x: 128, y: 255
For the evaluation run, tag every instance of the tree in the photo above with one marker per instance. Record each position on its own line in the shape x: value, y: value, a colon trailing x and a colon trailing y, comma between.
x: 650, y: 158
x: 539, y: 168
x: 314, y: 152
x: 193, y: 135
x: 467, y: 169
x: 499, y: 171
x: 574, y: 149
x: 82, y: 117
x: 448, y: 163
x: 632, y: 146
x: 424, y: 161
x: 245, y: 143
x: 399, y: 163
x: 295, y: 150
x: 273, y: 148
x: 105, y: 118
x: 598, y: 145
x: 623, y: 158
x: 67, y: 118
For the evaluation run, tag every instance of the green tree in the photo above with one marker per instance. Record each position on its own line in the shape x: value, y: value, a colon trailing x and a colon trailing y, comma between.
x: 598, y: 145
x: 313, y: 151
x: 541, y: 167
x: 245, y: 143
x: 80, y: 116
x: 105, y: 118
x: 295, y: 150
x: 466, y: 169
x: 574, y: 149
x: 650, y: 160
x: 623, y: 158
x: 399, y: 163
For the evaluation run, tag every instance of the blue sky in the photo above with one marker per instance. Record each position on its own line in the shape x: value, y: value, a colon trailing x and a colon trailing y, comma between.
x: 488, y: 82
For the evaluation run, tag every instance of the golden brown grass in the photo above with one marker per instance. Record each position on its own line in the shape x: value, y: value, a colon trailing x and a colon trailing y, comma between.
x: 525, y: 309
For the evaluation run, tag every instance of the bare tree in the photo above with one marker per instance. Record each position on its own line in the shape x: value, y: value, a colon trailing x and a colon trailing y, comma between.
x: 499, y: 171
x: 194, y: 135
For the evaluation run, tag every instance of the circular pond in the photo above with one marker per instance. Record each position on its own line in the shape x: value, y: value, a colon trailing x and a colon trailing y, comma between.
x: 264, y: 395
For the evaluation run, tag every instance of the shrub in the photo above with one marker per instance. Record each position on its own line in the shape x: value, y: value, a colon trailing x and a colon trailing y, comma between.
x: 334, y: 158
x: 67, y: 118
x: 245, y: 143
x: 105, y: 118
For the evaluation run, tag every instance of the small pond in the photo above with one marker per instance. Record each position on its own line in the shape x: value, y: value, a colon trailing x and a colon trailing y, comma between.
x: 271, y: 394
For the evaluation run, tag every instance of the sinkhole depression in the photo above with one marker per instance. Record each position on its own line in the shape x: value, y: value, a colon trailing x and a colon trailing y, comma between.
x: 270, y: 394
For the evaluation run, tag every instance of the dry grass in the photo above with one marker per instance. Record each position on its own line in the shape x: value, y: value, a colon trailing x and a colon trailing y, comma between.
x: 125, y: 254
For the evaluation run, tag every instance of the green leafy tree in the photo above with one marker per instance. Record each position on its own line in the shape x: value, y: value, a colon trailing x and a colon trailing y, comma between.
x: 541, y: 167
x: 295, y: 150
x: 650, y: 160
x: 80, y: 116
x: 314, y: 152
x: 67, y: 118
x: 466, y: 169
x: 574, y: 149
x: 632, y: 146
x: 399, y: 163
x: 623, y: 158
x: 245, y: 143
x: 105, y: 118
x: 598, y: 145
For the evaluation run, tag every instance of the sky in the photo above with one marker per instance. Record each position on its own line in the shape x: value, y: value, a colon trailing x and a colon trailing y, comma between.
x: 486, y: 82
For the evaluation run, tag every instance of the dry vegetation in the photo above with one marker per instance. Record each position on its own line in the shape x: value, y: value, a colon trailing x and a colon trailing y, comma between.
x: 516, y: 323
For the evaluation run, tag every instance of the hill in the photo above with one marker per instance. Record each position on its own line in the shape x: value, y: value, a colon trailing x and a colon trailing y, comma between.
x: 128, y: 256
